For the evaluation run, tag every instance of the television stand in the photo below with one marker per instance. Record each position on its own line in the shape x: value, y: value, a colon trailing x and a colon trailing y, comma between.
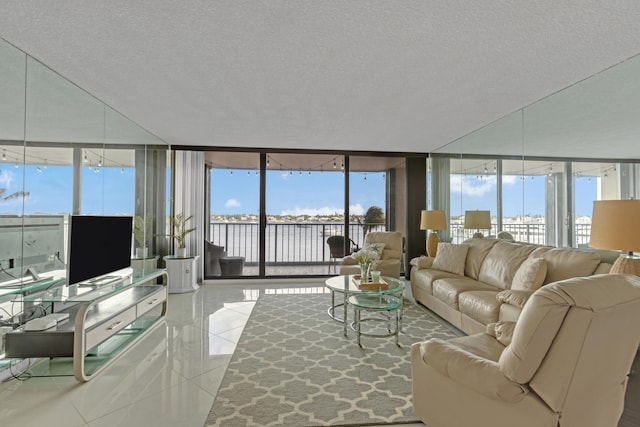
x: 103, y: 280
x: 103, y: 323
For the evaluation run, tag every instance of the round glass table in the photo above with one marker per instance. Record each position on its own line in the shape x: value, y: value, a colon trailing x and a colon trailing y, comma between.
x: 350, y: 285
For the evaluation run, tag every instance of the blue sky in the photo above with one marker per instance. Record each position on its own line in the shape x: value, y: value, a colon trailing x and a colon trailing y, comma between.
x: 519, y: 197
x: 111, y: 191
x: 294, y: 193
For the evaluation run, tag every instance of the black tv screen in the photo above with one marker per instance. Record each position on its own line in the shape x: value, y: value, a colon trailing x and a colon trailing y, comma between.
x: 98, y: 245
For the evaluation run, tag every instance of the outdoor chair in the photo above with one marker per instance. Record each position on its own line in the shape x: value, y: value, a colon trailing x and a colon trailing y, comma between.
x: 337, y: 249
x: 212, y: 256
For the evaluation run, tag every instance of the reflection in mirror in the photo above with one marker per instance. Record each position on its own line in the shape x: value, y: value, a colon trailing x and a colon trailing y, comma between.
x: 12, y: 81
x: 121, y: 130
x: 59, y: 111
x: 596, y: 118
x: 445, y: 189
x: 553, y: 159
x: 54, y: 163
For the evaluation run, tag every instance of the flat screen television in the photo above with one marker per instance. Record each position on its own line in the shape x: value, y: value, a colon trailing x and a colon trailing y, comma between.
x: 98, y: 245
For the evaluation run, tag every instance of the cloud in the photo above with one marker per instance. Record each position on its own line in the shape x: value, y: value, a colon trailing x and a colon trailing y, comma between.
x: 471, y: 186
x: 232, y: 203
x: 6, y: 177
x: 356, y: 209
x: 510, y: 179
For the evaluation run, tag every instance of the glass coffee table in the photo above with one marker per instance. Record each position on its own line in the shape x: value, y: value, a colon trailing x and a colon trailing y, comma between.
x: 347, y: 286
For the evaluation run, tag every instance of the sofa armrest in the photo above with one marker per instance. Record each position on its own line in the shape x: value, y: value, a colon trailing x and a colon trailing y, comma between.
x: 502, y: 331
x: 513, y: 297
x: 349, y: 260
x: 481, y: 375
x: 422, y: 262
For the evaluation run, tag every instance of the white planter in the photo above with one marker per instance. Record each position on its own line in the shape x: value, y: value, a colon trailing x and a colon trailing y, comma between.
x: 181, y: 252
x: 142, y: 252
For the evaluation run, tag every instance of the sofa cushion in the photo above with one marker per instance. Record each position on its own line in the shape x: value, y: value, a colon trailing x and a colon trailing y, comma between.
x: 603, y: 268
x: 478, y: 250
x: 391, y: 239
x: 530, y: 275
x: 471, y: 370
x: 391, y: 254
x: 502, y: 262
x: 447, y: 290
x: 482, y: 306
x: 565, y: 263
x: 451, y: 257
x: 425, y: 278
x: 481, y: 345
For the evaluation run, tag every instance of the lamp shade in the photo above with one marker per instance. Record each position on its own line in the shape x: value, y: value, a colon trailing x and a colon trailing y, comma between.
x: 615, y: 225
x: 433, y: 220
x: 477, y: 220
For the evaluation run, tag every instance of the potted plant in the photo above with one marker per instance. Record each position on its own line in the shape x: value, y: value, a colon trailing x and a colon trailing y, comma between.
x: 142, y: 229
x: 180, y: 232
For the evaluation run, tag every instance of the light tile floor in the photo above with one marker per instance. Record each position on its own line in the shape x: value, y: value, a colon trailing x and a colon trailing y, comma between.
x: 169, y: 378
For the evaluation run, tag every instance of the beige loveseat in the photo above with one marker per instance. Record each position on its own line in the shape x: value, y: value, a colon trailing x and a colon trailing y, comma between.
x: 482, y: 281
x: 390, y: 257
x: 564, y: 363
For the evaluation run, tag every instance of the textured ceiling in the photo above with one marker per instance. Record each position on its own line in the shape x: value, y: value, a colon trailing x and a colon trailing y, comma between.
x: 354, y: 75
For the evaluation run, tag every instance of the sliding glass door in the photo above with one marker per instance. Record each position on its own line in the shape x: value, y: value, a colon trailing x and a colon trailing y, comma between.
x: 304, y: 209
x: 232, y: 244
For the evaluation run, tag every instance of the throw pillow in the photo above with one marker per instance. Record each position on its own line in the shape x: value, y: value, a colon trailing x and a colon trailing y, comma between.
x: 373, y: 251
x: 451, y: 257
x: 530, y: 275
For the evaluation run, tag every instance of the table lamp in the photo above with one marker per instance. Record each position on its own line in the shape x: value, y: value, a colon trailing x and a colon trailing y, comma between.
x: 433, y: 220
x: 477, y: 220
x: 615, y: 225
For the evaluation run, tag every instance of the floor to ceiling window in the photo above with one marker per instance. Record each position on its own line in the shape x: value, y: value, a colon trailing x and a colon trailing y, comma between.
x: 304, y: 208
x: 524, y: 200
x: 234, y: 217
x: 108, y: 181
x: 284, y: 213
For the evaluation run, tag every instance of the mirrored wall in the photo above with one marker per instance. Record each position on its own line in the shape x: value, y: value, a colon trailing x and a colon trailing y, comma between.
x: 539, y: 169
x: 63, y: 152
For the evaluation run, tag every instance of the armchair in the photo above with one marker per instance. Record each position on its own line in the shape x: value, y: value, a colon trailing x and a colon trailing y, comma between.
x: 390, y: 260
x: 565, y: 362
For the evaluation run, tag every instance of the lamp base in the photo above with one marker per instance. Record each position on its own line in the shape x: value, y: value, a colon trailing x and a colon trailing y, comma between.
x: 626, y: 264
x: 432, y: 244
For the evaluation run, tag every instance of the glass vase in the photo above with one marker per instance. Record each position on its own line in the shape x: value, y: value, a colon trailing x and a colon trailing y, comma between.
x: 364, y: 272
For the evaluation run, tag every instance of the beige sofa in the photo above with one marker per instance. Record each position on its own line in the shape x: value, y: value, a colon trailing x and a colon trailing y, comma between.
x: 565, y: 363
x: 472, y: 284
x: 390, y: 258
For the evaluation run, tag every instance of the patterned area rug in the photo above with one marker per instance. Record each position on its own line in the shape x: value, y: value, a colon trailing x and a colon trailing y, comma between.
x: 294, y: 367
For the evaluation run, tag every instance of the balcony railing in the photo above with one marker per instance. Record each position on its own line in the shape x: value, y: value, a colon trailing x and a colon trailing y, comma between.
x: 531, y: 233
x: 286, y: 243
x: 306, y: 243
